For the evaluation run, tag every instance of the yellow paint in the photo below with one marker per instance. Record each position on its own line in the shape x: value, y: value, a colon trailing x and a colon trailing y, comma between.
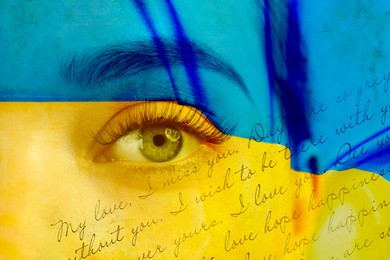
x: 213, y: 204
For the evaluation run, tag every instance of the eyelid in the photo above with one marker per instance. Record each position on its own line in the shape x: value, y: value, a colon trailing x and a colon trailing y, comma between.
x: 142, y: 114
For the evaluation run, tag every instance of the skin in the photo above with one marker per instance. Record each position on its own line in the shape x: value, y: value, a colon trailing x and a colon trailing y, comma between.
x: 59, y: 202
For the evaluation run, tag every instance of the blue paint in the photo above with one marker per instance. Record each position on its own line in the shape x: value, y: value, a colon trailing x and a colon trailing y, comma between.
x: 290, y: 85
x: 366, y: 162
x: 270, y: 63
x: 313, y: 165
x: 188, y: 57
x: 293, y: 90
x: 158, y: 43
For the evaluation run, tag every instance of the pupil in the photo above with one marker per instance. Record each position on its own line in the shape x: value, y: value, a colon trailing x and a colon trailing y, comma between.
x: 159, y: 140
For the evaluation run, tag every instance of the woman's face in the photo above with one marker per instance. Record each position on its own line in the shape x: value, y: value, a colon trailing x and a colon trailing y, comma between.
x: 152, y: 158
x: 83, y: 179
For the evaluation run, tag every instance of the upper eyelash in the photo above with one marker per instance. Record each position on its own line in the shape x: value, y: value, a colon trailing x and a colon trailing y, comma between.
x: 138, y: 116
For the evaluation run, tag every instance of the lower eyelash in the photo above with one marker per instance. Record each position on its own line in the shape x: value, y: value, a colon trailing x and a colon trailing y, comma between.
x: 138, y: 116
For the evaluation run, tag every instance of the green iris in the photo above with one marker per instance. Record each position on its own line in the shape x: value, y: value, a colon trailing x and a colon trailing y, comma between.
x: 160, y: 143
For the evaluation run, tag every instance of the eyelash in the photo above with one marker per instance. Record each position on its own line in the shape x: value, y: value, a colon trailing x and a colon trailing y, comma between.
x: 141, y: 115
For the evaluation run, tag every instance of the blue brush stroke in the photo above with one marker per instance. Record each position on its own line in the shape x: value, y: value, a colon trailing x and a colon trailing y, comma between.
x: 293, y: 91
x: 270, y: 63
x: 290, y: 87
x: 367, y: 161
x: 188, y: 57
x: 158, y: 43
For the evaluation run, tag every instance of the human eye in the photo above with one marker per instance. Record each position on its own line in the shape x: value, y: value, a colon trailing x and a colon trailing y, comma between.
x: 156, y: 132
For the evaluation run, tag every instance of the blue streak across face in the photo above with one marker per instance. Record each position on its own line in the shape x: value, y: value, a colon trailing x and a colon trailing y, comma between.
x: 368, y: 159
x: 157, y: 42
x: 286, y: 67
x: 270, y: 61
x: 185, y: 49
x: 188, y: 57
x: 294, y: 89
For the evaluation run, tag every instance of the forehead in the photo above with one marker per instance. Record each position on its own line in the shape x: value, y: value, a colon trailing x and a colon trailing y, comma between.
x: 38, y: 35
x: 108, y: 21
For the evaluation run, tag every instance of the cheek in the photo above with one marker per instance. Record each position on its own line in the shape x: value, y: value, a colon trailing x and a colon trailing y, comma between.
x: 228, y: 202
x: 216, y: 206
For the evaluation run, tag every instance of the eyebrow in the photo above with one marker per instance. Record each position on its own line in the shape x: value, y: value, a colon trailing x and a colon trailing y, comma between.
x: 125, y: 60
